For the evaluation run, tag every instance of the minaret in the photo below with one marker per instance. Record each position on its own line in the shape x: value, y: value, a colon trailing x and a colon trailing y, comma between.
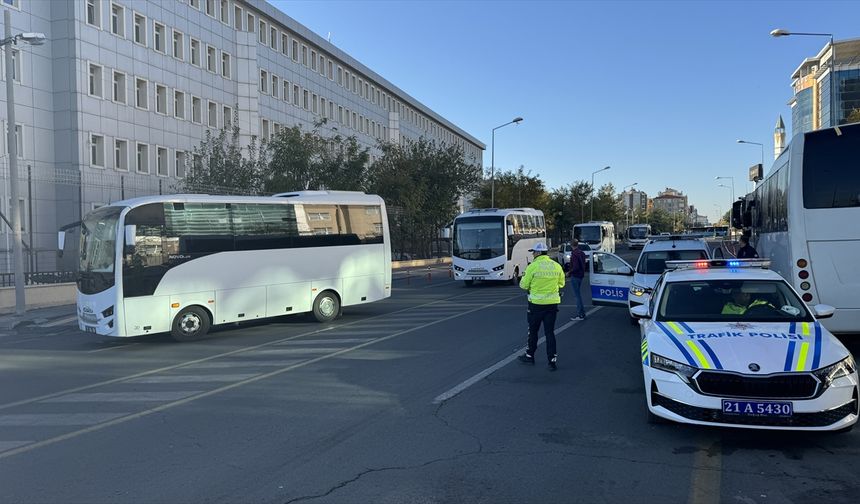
x: 778, y: 138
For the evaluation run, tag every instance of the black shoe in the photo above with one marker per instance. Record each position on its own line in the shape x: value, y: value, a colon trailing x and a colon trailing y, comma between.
x: 552, y: 364
x: 526, y: 359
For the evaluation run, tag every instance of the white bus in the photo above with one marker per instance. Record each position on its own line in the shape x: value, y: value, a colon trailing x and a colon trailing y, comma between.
x: 805, y: 217
x: 493, y: 244
x: 183, y: 263
x: 599, y: 235
x: 637, y: 235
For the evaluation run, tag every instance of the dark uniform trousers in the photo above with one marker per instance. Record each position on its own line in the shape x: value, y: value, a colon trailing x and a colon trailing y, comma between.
x: 542, y: 314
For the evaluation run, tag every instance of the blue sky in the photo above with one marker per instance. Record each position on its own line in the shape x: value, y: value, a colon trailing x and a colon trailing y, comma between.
x: 659, y: 91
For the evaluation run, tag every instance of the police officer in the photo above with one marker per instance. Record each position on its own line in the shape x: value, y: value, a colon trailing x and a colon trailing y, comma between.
x: 746, y: 251
x: 543, y: 280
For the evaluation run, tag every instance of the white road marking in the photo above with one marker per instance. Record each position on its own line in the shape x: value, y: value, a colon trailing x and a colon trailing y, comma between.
x: 499, y: 365
x: 277, y: 372
x: 57, y: 419
x: 8, y: 445
x: 123, y: 396
x: 112, y: 347
x: 62, y: 321
x: 242, y: 364
x: 192, y: 378
x: 325, y: 341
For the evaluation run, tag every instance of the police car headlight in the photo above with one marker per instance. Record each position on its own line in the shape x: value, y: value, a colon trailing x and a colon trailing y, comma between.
x: 638, y: 290
x: 841, y: 369
x: 662, y: 363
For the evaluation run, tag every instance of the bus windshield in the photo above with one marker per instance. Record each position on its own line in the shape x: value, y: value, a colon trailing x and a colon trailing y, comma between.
x: 477, y: 238
x: 638, y: 232
x: 98, y: 250
x: 588, y: 234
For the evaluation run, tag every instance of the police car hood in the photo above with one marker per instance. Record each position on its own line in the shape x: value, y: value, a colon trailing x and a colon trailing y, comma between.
x: 742, y: 347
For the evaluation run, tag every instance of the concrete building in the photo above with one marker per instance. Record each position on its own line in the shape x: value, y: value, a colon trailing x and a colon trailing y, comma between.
x: 671, y: 201
x: 634, y: 201
x: 113, y: 105
x: 820, y: 100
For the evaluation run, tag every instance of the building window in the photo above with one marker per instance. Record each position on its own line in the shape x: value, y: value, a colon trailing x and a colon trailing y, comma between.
x: 275, y: 86
x: 196, y: 110
x: 354, y: 90
x: 295, y: 50
x: 304, y: 55
x: 314, y: 61
x: 305, y: 99
x: 227, y: 117
x: 330, y: 70
x: 16, y: 65
x: 339, y: 76
x: 19, y: 143
x: 322, y: 106
x: 141, y: 94
x: 180, y: 159
x: 117, y: 20
x: 346, y: 79
x: 225, y: 12
x: 251, y: 23
x: 94, y: 13
x: 225, y: 65
x: 264, y: 82
x: 195, y: 52
x: 160, y: 99
x: 178, y: 104
x: 195, y: 4
x: 142, y: 161
x: 295, y: 95
x: 13, y: 3
x: 160, y: 32
x: 273, y: 38
x: 210, y: 8
x: 213, y: 114
x: 161, y: 163
x: 314, y: 105
x: 139, y: 29
x: 120, y: 155
x: 238, y: 15
x: 322, y: 65
x: 95, y: 81
x: 340, y: 114
x: 97, y: 151
x: 262, y: 32
x: 178, y: 45
x: 265, y: 129
x: 285, y: 45
x: 330, y: 109
x: 119, y: 87
x: 211, y: 63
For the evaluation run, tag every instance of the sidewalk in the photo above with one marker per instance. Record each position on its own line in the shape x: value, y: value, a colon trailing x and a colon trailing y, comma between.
x: 36, y: 316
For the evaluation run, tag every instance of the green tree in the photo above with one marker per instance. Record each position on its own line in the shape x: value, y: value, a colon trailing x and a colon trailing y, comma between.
x: 607, y: 206
x: 661, y: 221
x: 514, y: 189
x: 220, y: 166
x: 854, y: 116
x: 568, y: 205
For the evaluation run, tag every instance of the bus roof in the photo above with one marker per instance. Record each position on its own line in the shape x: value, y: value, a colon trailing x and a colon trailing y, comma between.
x: 501, y: 212
x: 301, y: 197
x: 594, y: 223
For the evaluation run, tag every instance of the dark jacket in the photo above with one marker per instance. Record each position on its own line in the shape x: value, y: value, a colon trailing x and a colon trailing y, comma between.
x: 577, y: 263
x: 747, y: 252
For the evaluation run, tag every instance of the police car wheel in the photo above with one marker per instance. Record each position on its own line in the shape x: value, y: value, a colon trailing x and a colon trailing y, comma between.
x: 468, y: 283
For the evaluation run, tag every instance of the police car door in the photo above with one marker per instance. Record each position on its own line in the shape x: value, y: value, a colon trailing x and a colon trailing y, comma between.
x: 610, y: 277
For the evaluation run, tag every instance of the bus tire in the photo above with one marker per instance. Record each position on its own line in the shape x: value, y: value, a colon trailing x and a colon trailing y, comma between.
x: 326, y: 307
x: 468, y: 283
x: 192, y: 323
x: 515, y: 280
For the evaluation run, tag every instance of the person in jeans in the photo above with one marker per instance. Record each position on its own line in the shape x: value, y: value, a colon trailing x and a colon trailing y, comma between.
x: 576, y: 272
x: 543, y: 280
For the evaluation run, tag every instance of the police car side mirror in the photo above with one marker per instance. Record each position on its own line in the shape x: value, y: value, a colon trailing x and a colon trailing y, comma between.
x: 823, y: 311
x: 640, y: 312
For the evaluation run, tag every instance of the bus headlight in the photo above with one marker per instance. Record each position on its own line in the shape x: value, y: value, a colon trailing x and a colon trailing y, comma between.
x: 107, y: 312
x: 457, y: 268
x: 684, y: 371
x: 499, y: 268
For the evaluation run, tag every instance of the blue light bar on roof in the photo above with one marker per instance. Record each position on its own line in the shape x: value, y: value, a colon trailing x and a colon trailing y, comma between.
x: 719, y: 263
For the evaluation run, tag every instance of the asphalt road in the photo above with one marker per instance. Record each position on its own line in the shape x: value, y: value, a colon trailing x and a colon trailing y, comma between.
x: 395, y: 402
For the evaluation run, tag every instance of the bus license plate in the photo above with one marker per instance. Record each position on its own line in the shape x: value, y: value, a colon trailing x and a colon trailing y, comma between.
x: 757, y: 408
x: 477, y: 278
x: 90, y: 329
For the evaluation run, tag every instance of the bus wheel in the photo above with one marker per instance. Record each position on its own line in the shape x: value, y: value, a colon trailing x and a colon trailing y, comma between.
x: 326, y: 307
x: 190, y: 324
x: 468, y: 283
x: 515, y: 280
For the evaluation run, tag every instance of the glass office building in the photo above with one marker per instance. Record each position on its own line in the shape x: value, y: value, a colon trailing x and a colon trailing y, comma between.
x: 827, y: 88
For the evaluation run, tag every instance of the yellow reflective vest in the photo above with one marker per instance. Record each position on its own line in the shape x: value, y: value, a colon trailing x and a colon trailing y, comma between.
x: 543, y: 279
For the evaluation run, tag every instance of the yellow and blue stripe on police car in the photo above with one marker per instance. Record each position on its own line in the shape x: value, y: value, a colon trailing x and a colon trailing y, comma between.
x: 644, y: 349
x: 803, y: 355
x: 697, y: 352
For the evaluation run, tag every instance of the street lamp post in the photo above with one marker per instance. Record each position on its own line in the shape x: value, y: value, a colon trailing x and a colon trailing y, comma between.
x: 516, y: 120
x: 12, y: 143
x: 732, y: 188
x: 755, y: 143
x: 779, y: 32
x: 592, y: 189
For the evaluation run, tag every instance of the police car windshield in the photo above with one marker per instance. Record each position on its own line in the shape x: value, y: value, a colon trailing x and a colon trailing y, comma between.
x: 654, y: 263
x: 731, y: 301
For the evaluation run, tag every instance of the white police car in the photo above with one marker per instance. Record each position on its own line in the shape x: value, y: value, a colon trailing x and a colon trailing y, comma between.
x: 730, y: 343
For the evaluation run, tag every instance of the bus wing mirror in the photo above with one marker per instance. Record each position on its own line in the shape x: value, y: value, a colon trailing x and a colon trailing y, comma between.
x: 61, y: 242
x: 510, y: 229
x: 130, y: 235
